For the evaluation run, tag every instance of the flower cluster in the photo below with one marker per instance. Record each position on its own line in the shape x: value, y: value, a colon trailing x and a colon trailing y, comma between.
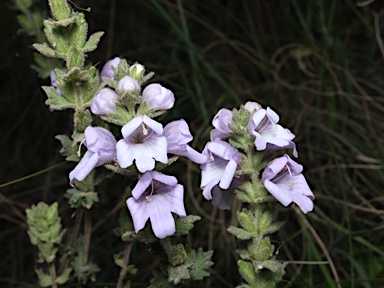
x: 144, y: 141
x: 281, y: 177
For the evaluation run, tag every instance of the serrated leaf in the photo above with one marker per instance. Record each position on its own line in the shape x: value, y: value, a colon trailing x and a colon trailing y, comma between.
x: 92, y: 42
x: 184, y: 225
x: 240, y: 233
x: 201, y: 261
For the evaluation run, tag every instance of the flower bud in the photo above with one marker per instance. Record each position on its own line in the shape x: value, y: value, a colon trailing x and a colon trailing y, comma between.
x: 252, y: 106
x: 158, y: 97
x: 54, y: 82
x: 104, y: 102
x: 107, y: 69
x: 136, y: 71
x: 128, y: 84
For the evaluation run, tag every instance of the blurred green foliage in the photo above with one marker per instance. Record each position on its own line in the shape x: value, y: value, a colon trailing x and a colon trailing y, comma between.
x: 317, y: 63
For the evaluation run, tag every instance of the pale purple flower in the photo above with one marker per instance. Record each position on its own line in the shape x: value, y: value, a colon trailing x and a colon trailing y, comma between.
x: 270, y: 135
x: 220, y: 196
x: 101, y: 146
x: 220, y: 167
x: 283, y: 179
x: 107, y: 68
x: 144, y: 142
x: 220, y: 122
x: 252, y: 106
x: 128, y: 84
x: 54, y: 82
x: 104, y: 102
x: 178, y: 135
x: 158, y: 97
x: 156, y: 196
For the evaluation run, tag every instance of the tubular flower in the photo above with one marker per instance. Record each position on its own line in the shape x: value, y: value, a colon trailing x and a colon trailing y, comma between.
x: 283, y: 179
x: 220, y: 167
x: 220, y: 122
x: 104, y: 102
x: 144, y: 142
x: 158, y: 97
x: 101, y: 146
x: 178, y: 135
x: 269, y: 135
x: 156, y: 196
x: 107, y: 68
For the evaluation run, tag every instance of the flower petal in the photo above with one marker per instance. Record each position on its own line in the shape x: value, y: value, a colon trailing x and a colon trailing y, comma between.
x: 84, y: 167
x: 228, y: 174
x: 124, y: 153
x: 138, y: 212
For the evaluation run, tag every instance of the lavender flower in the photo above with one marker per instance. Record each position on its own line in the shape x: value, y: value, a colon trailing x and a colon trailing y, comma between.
x: 283, y: 179
x: 107, y: 68
x: 144, y: 142
x: 220, y: 122
x: 178, y: 135
x: 269, y: 135
x: 128, y: 84
x: 156, y: 196
x: 220, y: 168
x: 158, y: 97
x: 104, y: 102
x: 101, y: 146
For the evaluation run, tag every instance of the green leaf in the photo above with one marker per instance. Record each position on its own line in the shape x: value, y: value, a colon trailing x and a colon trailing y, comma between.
x: 60, y: 9
x: 44, y: 279
x: 68, y: 150
x: 247, y: 221
x: 184, y: 225
x: 201, y: 262
x: 247, y: 271
x: 63, y: 278
x: 79, y: 199
x: 55, y: 100
x: 178, y: 273
x: 46, y: 50
x: 241, y: 233
x: 92, y: 42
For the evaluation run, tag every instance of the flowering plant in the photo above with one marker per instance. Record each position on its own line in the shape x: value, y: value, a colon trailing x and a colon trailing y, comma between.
x: 238, y: 160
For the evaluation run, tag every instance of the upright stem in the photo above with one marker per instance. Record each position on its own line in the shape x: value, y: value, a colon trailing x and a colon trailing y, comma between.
x: 123, y: 272
x: 87, y: 236
x: 52, y: 272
